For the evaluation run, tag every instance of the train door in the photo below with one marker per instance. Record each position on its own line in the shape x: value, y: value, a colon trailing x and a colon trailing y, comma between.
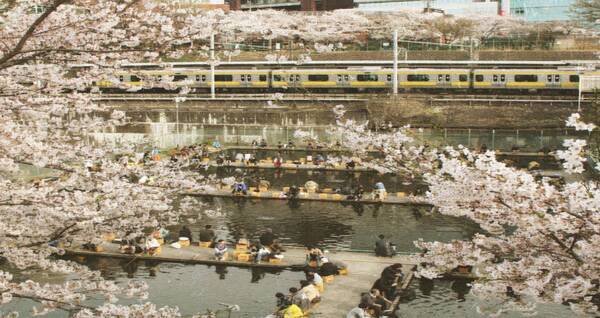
x: 444, y: 80
x: 342, y: 80
x: 293, y: 80
x: 552, y: 80
x: 499, y: 80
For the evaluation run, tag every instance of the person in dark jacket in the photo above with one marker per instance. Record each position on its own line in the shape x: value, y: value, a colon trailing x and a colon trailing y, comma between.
x: 186, y: 232
x: 207, y: 234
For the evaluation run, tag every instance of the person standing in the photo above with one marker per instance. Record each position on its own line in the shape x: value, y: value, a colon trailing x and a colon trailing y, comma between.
x: 359, y: 311
x: 382, y: 246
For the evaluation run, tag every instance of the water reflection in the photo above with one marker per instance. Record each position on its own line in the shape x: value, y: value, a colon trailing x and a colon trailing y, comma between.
x: 330, y: 225
x: 452, y: 299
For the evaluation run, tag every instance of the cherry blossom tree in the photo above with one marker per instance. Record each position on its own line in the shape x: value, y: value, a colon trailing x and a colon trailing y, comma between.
x: 538, y: 239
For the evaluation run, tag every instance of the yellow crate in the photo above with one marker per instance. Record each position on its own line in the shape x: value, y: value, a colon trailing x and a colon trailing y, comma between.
x: 241, y: 247
x: 184, y: 243
x: 343, y: 271
x: 205, y: 244
x: 286, y: 189
x: 255, y: 194
x: 156, y: 251
x: 328, y: 279
x: 99, y: 249
x: 328, y: 190
x: 263, y: 189
x: 109, y: 237
x: 323, y: 196
x: 337, y: 196
x: 275, y: 261
x: 243, y: 257
x: 161, y: 241
x: 400, y: 194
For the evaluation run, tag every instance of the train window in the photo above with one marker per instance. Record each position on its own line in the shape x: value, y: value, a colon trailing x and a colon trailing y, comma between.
x: 339, y: 77
x: 367, y: 78
x: 389, y: 78
x: 262, y: 78
x: 557, y: 78
x: 120, y: 78
x: 417, y: 78
x: 223, y: 78
x: 249, y: 78
x: 291, y: 78
x: 463, y: 78
x: 574, y: 78
x: 495, y: 78
x: 479, y: 78
x: 526, y: 78
x: 179, y: 78
x: 318, y: 78
x: 159, y: 78
x: 298, y: 78
x: 204, y: 78
x: 502, y: 78
x: 549, y: 78
x: 243, y: 77
x: 447, y: 77
x: 346, y: 78
x: 197, y: 78
x: 134, y: 78
x: 440, y: 77
x: 277, y: 78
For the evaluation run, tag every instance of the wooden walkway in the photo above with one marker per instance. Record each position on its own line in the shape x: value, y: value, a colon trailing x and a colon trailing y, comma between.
x: 391, y: 198
x: 339, y: 296
x: 289, y: 165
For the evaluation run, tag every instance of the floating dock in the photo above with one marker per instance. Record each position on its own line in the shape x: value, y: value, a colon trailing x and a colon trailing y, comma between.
x: 390, y: 198
x: 339, y: 296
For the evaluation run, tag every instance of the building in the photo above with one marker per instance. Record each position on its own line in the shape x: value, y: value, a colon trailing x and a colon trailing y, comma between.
x: 453, y: 7
x: 541, y: 10
x: 293, y: 5
x: 529, y: 10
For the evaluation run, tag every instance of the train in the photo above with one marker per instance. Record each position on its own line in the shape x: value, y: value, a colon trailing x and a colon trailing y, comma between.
x: 351, y: 79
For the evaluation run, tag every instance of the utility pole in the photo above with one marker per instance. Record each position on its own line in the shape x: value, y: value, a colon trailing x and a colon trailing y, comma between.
x: 212, y: 65
x: 395, y: 72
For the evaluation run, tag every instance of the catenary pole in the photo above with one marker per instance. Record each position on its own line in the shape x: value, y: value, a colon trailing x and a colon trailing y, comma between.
x: 212, y: 66
x: 395, y: 73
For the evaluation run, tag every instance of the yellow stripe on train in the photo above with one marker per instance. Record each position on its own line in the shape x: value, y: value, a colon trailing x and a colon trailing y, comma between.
x: 525, y: 84
x: 367, y: 83
x: 318, y: 83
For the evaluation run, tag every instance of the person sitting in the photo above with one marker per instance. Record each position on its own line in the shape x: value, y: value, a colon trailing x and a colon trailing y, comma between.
x: 239, y: 157
x: 186, y: 232
x: 263, y: 143
x: 315, y: 279
x: 379, y: 192
x: 220, y: 160
x: 311, y: 291
x: 240, y: 187
x: 267, y: 238
x: 359, y: 312
x: 277, y: 162
x: 279, y: 145
x: 292, y: 311
x: 220, y: 250
x: 216, y: 144
x: 311, y: 186
x: 328, y: 268
x: 151, y: 245
x: 383, y: 247
x: 129, y: 246
x: 207, y: 235
x: 252, y: 160
x: 282, y: 302
x: 254, y: 143
x: 313, y: 256
x: 293, y: 192
x: 350, y: 164
x: 319, y: 159
x: 263, y: 254
x: 291, y: 144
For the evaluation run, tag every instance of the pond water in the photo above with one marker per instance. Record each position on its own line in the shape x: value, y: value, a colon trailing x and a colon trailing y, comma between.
x: 451, y: 298
x: 329, y: 225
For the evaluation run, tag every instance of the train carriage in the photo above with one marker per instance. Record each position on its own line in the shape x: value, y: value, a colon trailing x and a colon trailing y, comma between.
x: 530, y: 79
x: 433, y: 78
